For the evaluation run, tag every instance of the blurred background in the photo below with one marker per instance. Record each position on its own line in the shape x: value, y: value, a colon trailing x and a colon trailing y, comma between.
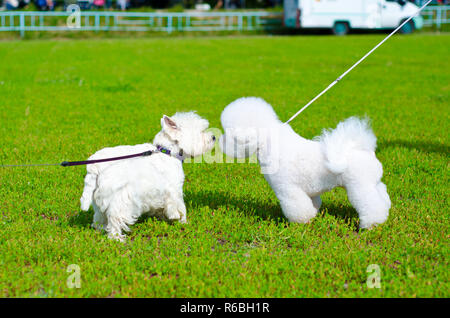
x: 157, y: 4
x: 174, y: 16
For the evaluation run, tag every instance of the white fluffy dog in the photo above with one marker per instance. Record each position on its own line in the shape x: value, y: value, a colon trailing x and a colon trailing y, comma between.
x: 300, y: 170
x: 121, y: 191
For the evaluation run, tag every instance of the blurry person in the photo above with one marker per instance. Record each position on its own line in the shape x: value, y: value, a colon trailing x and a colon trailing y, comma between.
x: 23, y: 3
x: 11, y: 4
x: 45, y: 4
x: 41, y: 4
x: 99, y: 4
x: 50, y: 5
x: 122, y: 4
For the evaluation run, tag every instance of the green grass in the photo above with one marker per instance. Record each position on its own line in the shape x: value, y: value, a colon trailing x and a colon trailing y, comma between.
x: 63, y: 100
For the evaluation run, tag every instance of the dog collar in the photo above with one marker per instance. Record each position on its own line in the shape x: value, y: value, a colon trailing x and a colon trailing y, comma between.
x: 168, y: 152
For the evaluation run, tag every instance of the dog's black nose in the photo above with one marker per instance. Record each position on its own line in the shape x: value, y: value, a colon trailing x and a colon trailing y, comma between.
x: 214, y: 138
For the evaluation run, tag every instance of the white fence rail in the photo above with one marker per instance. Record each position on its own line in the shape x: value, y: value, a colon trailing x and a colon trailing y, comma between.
x: 436, y: 15
x: 24, y: 21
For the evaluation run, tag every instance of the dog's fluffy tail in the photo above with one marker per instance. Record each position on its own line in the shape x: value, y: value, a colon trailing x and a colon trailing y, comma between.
x: 352, y: 134
x: 90, y: 183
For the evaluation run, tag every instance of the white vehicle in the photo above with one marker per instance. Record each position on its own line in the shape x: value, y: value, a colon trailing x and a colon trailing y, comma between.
x: 343, y: 15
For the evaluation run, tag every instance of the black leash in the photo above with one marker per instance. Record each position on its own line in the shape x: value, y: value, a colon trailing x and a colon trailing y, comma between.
x: 84, y: 162
x: 32, y: 165
x: 88, y: 162
x: 159, y: 149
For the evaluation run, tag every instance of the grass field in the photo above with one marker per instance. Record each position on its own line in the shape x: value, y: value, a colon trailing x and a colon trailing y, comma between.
x: 63, y: 100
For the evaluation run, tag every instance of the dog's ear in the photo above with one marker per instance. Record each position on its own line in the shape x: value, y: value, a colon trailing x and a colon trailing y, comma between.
x: 169, y: 126
x: 169, y: 121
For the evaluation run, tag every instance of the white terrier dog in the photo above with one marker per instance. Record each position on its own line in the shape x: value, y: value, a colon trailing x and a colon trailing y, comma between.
x: 300, y: 170
x: 121, y: 191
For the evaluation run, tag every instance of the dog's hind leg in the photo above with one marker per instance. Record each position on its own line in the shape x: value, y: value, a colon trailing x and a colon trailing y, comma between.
x: 100, y: 220
x: 121, y: 212
x: 116, y: 224
x: 317, y: 202
x: 90, y: 183
x: 297, y: 206
x: 371, y: 201
x: 365, y: 191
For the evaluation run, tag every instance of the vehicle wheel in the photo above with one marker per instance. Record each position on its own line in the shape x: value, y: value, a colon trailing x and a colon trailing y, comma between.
x: 408, y: 28
x: 340, y: 28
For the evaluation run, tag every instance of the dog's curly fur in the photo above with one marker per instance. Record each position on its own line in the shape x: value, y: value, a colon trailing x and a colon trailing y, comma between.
x: 300, y: 170
x: 121, y: 191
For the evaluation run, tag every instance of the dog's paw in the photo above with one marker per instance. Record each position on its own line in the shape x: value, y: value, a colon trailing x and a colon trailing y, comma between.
x: 117, y: 237
x: 85, y: 206
x: 173, y: 216
x: 97, y: 226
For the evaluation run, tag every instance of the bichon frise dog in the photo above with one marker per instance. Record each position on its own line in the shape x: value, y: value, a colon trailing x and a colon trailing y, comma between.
x: 121, y: 191
x: 300, y: 170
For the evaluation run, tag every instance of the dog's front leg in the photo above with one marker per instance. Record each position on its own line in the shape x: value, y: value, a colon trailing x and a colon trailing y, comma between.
x: 175, y: 208
x: 297, y: 206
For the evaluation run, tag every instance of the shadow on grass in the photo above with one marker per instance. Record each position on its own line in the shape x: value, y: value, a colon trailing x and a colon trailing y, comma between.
x: 203, y: 198
x: 419, y: 145
x: 346, y: 213
x: 85, y: 218
x: 249, y: 206
x: 82, y: 219
x: 263, y: 210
